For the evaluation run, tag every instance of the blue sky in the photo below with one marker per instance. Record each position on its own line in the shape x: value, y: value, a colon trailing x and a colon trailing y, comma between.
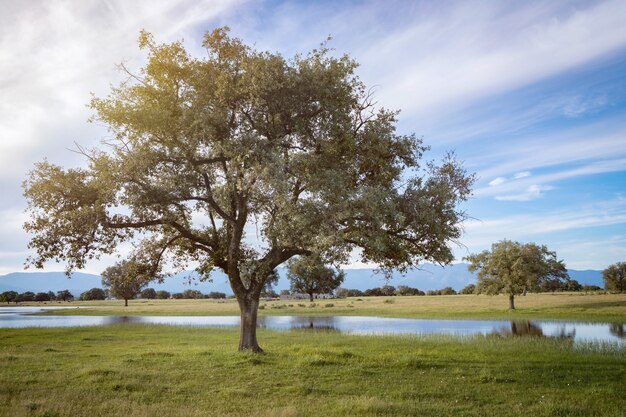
x: 531, y: 95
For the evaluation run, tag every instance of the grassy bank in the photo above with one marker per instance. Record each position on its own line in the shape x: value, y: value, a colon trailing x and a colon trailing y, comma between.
x: 577, y: 306
x: 137, y: 370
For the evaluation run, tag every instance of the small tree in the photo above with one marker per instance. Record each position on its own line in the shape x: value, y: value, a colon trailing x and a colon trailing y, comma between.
x: 163, y: 295
x: 447, y: 291
x: 615, y: 277
x: 404, y: 290
x: 373, y: 292
x: 268, y: 289
x: 149, y: 294
x: 468, y: 289
x: 26, y: 296
x: 8, y: 296
x: 309, y: 275
x: 571, y: 285
x: 42, y: 296
x: 513, y: 268
x: 52, y: 296
x: 93, y: 294
x: 64, y: 295
x: 192, y: 294
x: 126, y: 279
x: 216, y: 295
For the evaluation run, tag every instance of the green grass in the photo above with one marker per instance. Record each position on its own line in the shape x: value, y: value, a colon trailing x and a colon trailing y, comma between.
x: 574, y: 306
x: 143, y: 370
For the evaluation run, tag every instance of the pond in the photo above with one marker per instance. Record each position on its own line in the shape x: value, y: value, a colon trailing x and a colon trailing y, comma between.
x: 19, y: 317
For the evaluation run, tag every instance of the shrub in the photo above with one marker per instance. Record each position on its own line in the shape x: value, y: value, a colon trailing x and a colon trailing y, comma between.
x: 403, y: 290
x: 163, y: 295
x: 149, y: 294
x: 93, y: 294
x: 469, y: 289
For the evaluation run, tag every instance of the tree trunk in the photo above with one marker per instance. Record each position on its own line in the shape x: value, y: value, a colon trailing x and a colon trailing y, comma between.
x: 511, y: 302
x: 311, y: 297
x: 125, y: 302
x: 248, y: 306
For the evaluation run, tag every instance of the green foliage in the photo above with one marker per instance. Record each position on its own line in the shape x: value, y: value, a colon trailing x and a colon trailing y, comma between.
x: 163, y: 295
x: 295, y: 147
x: 615, y: 277
x: 25, y: 297
x: 513, y: 268
x: 42, y: 296
x: 347, y: 292
x: 64, y: 295
x: 127, y: 278
x: 216, y: 295
x: 309, y: 275
x: 405, y: 290
x: 8, y: 296
x: 149, y: 294
x: 93, y: 294
x: 192, y: 294
x: 468, y: 289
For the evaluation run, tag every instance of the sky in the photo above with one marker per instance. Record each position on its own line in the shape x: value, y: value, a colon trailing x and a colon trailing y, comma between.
x: 530, y: 95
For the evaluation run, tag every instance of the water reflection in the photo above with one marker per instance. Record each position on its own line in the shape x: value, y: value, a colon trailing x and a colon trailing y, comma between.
x: 617, y: 329
x: 16, y: 317
x: 527, y: 328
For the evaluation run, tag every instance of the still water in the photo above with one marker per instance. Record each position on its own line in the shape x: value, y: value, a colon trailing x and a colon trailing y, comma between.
x: 18, y: 317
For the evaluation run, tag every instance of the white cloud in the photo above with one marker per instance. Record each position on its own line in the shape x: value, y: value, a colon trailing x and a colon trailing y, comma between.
x: 532, y: 192
x: 481, y: 233
x: 497, y: 181
x: 522, y: 174
x: 476, y: 50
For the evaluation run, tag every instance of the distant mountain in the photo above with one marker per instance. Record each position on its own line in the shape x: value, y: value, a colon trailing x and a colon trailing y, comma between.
x: 428, y: 277
x: 587, y: 277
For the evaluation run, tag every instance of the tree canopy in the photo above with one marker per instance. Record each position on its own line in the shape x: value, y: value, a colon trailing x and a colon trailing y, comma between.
x: 615, y: 277
x: 127, y: 278
x: 309, y: 275
x: 241, y: 160
x: 513, y: 268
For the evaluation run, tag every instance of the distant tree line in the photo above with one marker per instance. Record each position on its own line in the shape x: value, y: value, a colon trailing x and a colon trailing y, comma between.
x: 95, y: 294
x: 29, y: 296
x: 569, y: 285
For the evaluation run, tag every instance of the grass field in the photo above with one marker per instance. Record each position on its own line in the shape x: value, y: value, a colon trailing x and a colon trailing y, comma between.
x: 143, y: 370
x: 577, y: 306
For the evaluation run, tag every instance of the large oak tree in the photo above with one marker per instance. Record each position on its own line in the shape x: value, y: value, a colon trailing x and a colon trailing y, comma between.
x: 241, y: 160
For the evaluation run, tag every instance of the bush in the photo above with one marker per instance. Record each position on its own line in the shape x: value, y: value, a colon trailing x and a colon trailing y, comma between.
x: 178, y: 295
x: 347, y: 292
x: 373, y: 292
x: 42, y: 296
x: 26, y: 296
x: 163, y: 295
x: 469, y: 289
x: 64, y: 295
x: 93, y: 294
x: 447, y: 291
x: 389, y: 301
x: 192, y: 294
x: 216, y: 295
x: 404, y: 290
x: 149, y: 294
